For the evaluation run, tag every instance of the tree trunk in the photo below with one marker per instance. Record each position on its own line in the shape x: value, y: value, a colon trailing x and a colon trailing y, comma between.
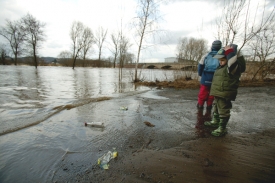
x: 141, y: 39
x: 74, y: 62
x: 34, y: 56
x: 115, y: 61
x: 15, y: 59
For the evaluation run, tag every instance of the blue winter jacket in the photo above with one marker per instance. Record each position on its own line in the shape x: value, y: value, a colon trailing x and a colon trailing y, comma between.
x: 206, y: 77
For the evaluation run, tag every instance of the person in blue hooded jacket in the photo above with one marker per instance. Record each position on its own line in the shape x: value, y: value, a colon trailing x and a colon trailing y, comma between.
x: 206, y: 69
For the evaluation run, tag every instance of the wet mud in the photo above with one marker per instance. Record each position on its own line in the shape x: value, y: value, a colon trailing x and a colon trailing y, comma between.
x: 166, y: 141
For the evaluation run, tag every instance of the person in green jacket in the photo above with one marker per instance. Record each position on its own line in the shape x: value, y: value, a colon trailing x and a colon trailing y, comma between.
x: 224, y: 87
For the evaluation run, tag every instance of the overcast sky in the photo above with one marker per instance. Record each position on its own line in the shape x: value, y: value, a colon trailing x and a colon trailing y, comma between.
x: 180, y: 18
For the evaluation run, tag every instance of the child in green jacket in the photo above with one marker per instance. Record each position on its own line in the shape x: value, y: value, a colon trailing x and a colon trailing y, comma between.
x: 224, y: 87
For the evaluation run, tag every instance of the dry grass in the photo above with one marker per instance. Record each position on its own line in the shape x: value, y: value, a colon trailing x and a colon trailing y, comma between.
x: 178, y: 83
x: 257, y: 83
x: 195, y: 84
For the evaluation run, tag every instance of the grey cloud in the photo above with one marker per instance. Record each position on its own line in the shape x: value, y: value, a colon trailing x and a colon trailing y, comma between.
x: 54, y: 45
x: 271, y: 3
x: 172, y: 37
x: 10, y: 10
x: 210, y: 1
x: 219, y: 3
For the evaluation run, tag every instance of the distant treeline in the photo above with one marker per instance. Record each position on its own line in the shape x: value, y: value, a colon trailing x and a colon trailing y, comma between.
x: 51, y: 61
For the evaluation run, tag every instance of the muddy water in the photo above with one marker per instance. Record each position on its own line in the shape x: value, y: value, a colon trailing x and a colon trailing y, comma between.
x: 30, y: 96
x: 38, y: 153
x: 59, y: 148
x: 43, y: 111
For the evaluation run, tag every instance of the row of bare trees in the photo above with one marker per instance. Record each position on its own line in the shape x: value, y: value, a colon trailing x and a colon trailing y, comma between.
x: 144, y: 24
x: 29, y: 31
x: 27, y: 34
x: 252, y: 29
x: 24, y: 36
x: 83, y: 40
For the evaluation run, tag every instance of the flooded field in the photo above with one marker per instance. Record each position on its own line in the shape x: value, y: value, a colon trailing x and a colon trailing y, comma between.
x: 44, y: 139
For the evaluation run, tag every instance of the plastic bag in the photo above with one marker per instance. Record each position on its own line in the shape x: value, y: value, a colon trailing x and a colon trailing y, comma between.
x: 104, y: 160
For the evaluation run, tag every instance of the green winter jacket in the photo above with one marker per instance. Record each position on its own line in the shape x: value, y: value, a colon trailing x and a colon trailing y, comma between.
x: 226, y: 79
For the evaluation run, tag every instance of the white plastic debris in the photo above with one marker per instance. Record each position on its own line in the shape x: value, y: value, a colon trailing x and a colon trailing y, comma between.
x: 124, y: 108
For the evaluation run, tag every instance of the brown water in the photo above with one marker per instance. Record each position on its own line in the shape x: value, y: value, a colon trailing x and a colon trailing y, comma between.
x: 43, y: 111
x: 47, y: 109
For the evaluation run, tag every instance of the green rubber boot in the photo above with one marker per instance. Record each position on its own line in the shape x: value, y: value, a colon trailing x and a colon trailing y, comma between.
x: 215, y: 121
x: 221, y: 130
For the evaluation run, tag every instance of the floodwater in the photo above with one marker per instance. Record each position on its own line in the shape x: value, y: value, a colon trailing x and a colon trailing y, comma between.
x: 44, y: 139
x: 43, y: 111
x: 30, y: 96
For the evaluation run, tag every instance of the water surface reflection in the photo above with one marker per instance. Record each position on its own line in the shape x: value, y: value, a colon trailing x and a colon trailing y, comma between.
x: 29, y: 96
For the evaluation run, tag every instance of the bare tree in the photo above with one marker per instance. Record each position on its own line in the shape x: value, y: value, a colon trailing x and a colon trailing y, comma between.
x: 115, y: 37
x: 201, y: 49
x: 236, y: 26
x: 99, y: 40
x: 88, y: 40
x: 228, y: 24
x: 76, y: 35
x: 35, y: 34
x: 15, y: 33
x: 191, y: 49
x: 146, y: 25
x: 124, y: 45
x: 255, y: 35
x: 64, y: 54
x: 65, y: 58
x: 262, y: 47
x: 181, y: 48
x: 3, y: 54
x: 130, y: 57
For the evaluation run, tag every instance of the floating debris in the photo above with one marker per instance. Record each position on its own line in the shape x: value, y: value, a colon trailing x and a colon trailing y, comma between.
x: 123, y: 108
x: 95, y: 124
x: 148, y: 124
x: 104, y: 160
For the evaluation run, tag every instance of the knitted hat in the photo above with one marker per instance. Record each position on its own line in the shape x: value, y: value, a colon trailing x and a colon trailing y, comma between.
x: 216, y: 45
x: 220, y: 54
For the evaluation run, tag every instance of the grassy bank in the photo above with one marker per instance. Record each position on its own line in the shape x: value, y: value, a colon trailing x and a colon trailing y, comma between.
x: 193, y: 84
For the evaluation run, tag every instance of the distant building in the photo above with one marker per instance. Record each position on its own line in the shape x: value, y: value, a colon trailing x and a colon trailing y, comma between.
x: 171, y: 60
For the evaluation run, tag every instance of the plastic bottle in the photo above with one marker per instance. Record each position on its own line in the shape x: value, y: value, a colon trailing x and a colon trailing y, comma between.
x: 95, y: 124
x: 104, y: 160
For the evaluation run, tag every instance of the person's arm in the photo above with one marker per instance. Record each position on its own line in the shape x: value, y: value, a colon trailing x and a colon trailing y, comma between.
x: 231, y: 57
x: 201, y: 65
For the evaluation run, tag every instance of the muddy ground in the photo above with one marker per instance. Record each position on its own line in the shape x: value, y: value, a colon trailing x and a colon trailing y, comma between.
x: 179, y: 148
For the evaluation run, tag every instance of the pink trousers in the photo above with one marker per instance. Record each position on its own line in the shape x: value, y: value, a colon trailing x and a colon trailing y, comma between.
x: 204, y: 96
